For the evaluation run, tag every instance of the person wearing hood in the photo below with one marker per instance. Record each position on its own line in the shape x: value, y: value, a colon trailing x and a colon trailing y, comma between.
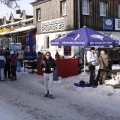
x: 48, y: 65
x: 7, y: 64
x: 13, y: 65
x: 102, y: 61
x: 2, y: 65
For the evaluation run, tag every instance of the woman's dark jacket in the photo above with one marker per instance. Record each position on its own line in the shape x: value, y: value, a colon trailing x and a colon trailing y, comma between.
x: 48, y: 64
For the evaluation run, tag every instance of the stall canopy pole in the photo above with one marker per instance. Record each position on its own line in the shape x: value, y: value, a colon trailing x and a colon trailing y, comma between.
x: 84, y: 60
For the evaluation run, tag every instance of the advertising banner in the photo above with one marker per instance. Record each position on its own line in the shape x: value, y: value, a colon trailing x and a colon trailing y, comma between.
x: 16, y: 46
x: 108, y: 23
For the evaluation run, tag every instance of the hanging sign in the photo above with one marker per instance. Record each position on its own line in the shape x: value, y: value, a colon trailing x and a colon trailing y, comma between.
x: 108, y: 23
x: 4, y: 30
x: 52, y: 25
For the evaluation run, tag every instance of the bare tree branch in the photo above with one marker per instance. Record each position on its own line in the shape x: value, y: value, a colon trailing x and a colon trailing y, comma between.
x: 10, y: 3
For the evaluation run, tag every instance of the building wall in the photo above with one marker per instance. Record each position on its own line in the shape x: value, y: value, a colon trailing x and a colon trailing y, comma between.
x: 94, y: 20
x: 51, y: 10
x: 40, y: 44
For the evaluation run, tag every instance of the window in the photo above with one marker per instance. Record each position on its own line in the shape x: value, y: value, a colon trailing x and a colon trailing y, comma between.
x: 47, y: 42
x: 85, y: 7
x: 118, y: 10
x: 38, y: 14
x: 63, y: 8
x: 102, y: 8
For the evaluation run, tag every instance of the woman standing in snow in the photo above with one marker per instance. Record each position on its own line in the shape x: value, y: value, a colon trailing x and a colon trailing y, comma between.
x: 2, y: 65
x: 48, y: 65
x: 102, y: 61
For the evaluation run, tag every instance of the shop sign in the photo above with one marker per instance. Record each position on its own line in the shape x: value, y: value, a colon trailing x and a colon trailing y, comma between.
x: 4, y: 30
x: 16, y: 46
x: 53, y: 25
x: 108, y: 23
x: 117, y: 24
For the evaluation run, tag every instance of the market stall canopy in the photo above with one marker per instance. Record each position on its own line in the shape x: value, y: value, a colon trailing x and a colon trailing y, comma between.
x: 30, y: 53
x: 83, y: 37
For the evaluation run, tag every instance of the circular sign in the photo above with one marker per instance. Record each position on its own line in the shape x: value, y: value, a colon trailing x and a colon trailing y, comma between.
x: 108, y: 22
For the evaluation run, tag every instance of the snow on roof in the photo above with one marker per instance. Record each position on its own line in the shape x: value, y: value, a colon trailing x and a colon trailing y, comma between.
x: 6, y: 17
x: 19, y: 30
x: 25, y: 28
x: 16, y: 16
x: 15, y: 23
x: 29, y: 12
x: 27, y: 20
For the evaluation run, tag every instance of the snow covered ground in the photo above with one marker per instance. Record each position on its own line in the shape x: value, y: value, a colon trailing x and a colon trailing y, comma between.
x: 23, y: 100
x: 115, y: 66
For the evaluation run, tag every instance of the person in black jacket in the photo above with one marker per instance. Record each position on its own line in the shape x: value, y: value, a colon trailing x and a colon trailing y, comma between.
x: 7, y: 64
x: 48, y: 65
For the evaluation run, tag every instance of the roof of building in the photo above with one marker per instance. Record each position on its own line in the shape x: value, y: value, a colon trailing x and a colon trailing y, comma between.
x: 36, y: 1
x: 16, y: 23
x: 19, y: 30
x: 27, y: 12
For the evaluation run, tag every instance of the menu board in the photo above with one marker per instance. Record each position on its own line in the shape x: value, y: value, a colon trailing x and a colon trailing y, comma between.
x: 67, y: 50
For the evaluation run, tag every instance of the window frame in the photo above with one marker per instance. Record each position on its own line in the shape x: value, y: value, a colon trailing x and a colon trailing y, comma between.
x: 85, y: 11
x: 38, y: 14
x: 63, y: 8
x: 103, y: 10
x: 47, y: 46
x: 119, y: 10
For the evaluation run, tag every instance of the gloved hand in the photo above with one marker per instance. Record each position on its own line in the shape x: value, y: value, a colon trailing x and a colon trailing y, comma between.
x: 52, y: 69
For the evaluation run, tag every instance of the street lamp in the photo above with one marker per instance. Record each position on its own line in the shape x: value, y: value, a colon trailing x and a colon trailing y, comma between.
x: 10, y: 3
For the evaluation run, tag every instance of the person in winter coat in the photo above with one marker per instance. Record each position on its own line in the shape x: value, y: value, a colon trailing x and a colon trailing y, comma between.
x: 48, y: 65
x: 2, y: 65
x: 13, y: 65
x: 7, y: 64
x: 103, y: 58
x: 92, y: 60
x: 21, y: 56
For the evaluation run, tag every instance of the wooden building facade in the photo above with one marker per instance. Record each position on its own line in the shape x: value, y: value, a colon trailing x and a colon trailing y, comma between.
x: 94, y: 17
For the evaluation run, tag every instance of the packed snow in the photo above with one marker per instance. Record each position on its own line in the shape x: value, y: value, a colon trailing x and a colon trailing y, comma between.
x: 24, y: 100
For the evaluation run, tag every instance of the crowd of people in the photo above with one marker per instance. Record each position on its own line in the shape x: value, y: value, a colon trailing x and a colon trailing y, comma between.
x: 8, y: 63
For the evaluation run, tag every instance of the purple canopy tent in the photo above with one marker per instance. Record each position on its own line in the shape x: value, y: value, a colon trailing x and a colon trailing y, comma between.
x: 83, y: 37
